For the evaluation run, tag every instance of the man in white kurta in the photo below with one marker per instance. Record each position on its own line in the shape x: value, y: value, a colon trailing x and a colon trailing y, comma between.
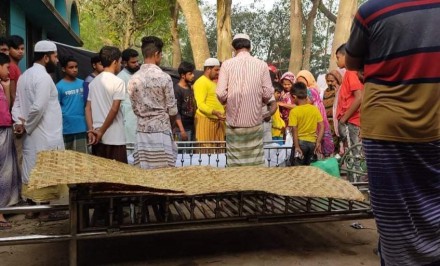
x: 37, y: 112
x: 130, y: 60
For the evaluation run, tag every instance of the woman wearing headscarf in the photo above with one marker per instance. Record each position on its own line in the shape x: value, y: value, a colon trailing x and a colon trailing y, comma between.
x: 307, y: 78
x: 330, y: 99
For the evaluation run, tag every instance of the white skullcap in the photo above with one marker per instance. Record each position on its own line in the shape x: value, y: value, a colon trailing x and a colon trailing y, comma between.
x: 211, y: 62
x: 45, y: 46
x: 241, y: 36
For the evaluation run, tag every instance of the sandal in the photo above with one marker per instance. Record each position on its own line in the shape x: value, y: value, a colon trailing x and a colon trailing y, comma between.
x: 4, y: 225
x: 54, y: 216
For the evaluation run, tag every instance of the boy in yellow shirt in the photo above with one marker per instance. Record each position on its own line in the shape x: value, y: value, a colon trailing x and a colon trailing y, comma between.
x: 304, y: 120
x: 278, y: 124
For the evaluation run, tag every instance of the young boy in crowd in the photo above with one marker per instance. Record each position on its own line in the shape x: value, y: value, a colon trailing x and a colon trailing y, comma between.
x: 186, y: 103
x: 97, y: 69
x: 304, y: 121
x: 71, y: 97
x: 10, y: 181
x: 16, y: 53
x: 4, y: 46
x: 278, y: 124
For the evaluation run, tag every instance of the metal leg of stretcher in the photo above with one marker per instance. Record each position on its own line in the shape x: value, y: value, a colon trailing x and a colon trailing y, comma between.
x: 73, y: 242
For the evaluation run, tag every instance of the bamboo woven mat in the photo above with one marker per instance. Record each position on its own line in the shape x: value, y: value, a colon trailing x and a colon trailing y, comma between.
x: 69, y: 167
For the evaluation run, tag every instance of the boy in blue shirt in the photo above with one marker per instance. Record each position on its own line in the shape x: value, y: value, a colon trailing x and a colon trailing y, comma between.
x: 70, y: 95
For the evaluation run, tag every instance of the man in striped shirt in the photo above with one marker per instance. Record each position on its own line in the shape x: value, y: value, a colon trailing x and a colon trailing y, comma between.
x: 245, y: 86
x: 397, y: 44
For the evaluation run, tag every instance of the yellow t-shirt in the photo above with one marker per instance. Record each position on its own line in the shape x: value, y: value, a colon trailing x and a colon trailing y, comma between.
x: 206, y: 98
x: 306, y: 118
x: 277, y: 124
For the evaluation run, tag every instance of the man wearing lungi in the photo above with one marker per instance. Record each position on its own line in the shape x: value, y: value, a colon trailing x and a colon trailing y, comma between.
x: 152, y: 97
x: 245, y: 86
x: 397, y: 44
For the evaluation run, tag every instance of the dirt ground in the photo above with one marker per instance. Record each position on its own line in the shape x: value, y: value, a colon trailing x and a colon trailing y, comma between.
x: 331, y: 243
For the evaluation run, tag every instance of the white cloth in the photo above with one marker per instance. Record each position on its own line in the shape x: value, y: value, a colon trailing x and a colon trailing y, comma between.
x: 130, y: 119
x: 103, y: 90
x: 322, y: 85
x: 274, y: 156
x: 37, y: 103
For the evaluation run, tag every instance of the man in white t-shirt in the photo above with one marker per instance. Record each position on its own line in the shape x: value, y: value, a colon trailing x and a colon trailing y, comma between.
x: 105, y: 122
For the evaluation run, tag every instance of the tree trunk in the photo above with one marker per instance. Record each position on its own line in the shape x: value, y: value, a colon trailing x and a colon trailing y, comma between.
x: 177, y: 53
x: 224, y: 32
x: 196, y: 30
x: 346, y: 13
x: 296, y: 43
x: 310, y: 28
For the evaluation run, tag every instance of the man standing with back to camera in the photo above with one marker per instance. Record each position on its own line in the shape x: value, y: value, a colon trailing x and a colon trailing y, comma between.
x: 245, y: 86
x: 398, y: 46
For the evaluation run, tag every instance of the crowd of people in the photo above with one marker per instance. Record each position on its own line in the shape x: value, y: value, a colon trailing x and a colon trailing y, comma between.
x: 124, y: 108
x: 244, y: 101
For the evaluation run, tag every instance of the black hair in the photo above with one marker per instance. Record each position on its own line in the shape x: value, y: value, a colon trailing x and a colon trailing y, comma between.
x: 4, y: 40
x: 39, y: 55
x: 65, y: 60
x: 341, y: 49
x: 208, y: 67
x: 241, y: 43
x: 129, y: 53
x: 299, y: 89
x: 14, y: 41
x: 151, y: 45
x: 4, y: 59
x: 109, y: 54
x: 185, y: 67
x: 95, y: 60
x: 277, y: 86
x: 272, y: 76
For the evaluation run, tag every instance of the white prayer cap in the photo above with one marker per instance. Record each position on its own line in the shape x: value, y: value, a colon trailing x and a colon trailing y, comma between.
x: 211, y: 62
x: 45, y: 46
x: 242, y: 36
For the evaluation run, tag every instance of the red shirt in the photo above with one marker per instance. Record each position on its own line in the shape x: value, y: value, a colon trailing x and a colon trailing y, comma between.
x: 14, y: 72
x: 350, y: 84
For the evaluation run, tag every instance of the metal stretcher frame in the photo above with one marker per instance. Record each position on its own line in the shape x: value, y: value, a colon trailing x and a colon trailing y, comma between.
x: 152, y: 214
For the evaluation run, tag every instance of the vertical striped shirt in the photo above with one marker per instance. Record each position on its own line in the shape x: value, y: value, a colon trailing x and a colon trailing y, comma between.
x: 244, y: 85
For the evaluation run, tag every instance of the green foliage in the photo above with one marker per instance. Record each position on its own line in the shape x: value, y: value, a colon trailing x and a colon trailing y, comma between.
x: 122, y: 23
x: 270, y: 32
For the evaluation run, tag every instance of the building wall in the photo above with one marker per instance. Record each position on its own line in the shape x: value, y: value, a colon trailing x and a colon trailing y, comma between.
x: 18, y: 27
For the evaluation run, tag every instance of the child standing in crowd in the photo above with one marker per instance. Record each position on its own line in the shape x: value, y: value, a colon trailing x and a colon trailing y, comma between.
x: 16, y: 53
x: 286, y: 103
x: 314, y: 98
x: 10, y: 181
x: 97, y: 69
x: 71, y: 97
x: 305, y: 121
x: 278, y: 124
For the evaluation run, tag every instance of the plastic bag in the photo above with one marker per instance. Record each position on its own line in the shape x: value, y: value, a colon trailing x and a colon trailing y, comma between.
x: 329, y: 165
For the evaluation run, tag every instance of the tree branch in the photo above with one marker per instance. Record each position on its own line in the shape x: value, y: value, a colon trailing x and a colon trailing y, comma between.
x: 327, y: 12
